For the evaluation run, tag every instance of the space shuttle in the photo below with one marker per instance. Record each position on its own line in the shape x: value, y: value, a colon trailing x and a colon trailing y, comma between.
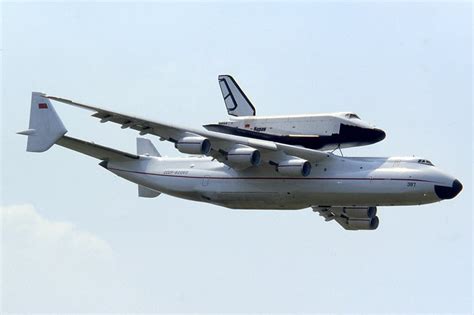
x: 314, y: 131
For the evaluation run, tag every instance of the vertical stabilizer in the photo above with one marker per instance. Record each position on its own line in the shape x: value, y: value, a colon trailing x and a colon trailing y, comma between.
x: 146, y: 147
x: 235, y: 100
x: 45, y: 125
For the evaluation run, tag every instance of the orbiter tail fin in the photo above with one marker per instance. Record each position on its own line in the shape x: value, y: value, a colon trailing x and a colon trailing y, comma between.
x: 235, y: 100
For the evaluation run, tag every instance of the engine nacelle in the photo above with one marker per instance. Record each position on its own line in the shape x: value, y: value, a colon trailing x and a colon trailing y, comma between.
x: 363, y: 224
x: 360, y: 212
x: 193, y: 145
x: 241, y: 157
x: 294, y: 167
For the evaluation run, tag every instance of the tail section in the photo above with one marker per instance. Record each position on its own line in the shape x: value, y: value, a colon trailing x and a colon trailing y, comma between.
x: 45, y: 125
x: 235, y: 100
x: 46, y: 129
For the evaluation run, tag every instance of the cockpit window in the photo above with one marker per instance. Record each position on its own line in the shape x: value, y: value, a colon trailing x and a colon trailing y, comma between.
x: 352, y: 116
x: 426, y: 162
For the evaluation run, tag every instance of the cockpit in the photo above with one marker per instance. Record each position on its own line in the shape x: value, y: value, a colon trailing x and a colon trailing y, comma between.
x: 351, y: 116
x: 426, y: 162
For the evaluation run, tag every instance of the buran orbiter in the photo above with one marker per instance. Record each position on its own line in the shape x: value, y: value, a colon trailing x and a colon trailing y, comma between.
x: 243, y: 172
x: 314, y: 131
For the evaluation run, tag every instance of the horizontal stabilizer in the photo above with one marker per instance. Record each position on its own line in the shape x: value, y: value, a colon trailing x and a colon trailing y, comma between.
x: 146, y: 192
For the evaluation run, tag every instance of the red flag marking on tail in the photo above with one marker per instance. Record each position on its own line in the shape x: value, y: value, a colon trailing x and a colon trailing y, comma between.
x: 42, y: 106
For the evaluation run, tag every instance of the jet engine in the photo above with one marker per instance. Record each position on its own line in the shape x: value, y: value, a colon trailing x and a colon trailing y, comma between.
x: 193, y: 145
x: 294, y: 167
x: 351, y: 218
x: 241, y: 157
x: 360, y: 212
x: 363, y: 224
x: 360, y: 218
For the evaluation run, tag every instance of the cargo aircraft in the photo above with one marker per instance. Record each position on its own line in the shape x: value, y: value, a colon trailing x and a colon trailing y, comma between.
x: 314, y: 131
x: 246, y: 173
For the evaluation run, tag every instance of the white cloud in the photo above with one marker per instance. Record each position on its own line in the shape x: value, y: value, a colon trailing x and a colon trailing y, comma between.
x: 50, y: 266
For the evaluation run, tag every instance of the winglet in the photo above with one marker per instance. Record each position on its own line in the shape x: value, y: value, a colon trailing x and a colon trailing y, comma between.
x: 45, y: 125
x: 235, y: 100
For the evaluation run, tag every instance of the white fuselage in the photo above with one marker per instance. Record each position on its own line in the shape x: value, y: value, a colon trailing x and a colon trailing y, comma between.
x: 315, y: 124
x: 337, y: 182
x: 320, y: 131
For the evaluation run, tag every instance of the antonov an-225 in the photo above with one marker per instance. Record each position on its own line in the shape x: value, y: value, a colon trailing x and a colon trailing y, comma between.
x: 246, y: 173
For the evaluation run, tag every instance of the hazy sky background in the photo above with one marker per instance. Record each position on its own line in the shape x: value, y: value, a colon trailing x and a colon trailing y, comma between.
x: 77, y: 238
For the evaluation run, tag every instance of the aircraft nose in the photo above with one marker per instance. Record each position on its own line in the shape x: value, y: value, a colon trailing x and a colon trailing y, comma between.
x: 446, y: 192
x: 361, y: 134
x: 378, y: 134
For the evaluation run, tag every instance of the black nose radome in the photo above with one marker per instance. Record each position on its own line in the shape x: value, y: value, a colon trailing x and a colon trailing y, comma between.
x: 360, y: 134
x: 445, y: 192
x: 378, y: 134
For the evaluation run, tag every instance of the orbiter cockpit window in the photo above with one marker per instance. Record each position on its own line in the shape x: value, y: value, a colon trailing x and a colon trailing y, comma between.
x: 352, y: 116
x: 426, y: 162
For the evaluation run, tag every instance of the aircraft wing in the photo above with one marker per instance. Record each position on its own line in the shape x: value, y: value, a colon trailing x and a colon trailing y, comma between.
x: 95, y: 150
x: 220, y: 143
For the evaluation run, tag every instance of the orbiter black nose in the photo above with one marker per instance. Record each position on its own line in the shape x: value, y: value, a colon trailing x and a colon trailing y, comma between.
x: 378, y: 134
x: 445, y: 192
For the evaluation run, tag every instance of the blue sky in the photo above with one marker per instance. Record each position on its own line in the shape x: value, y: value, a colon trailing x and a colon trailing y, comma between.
x: 76, y: 238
